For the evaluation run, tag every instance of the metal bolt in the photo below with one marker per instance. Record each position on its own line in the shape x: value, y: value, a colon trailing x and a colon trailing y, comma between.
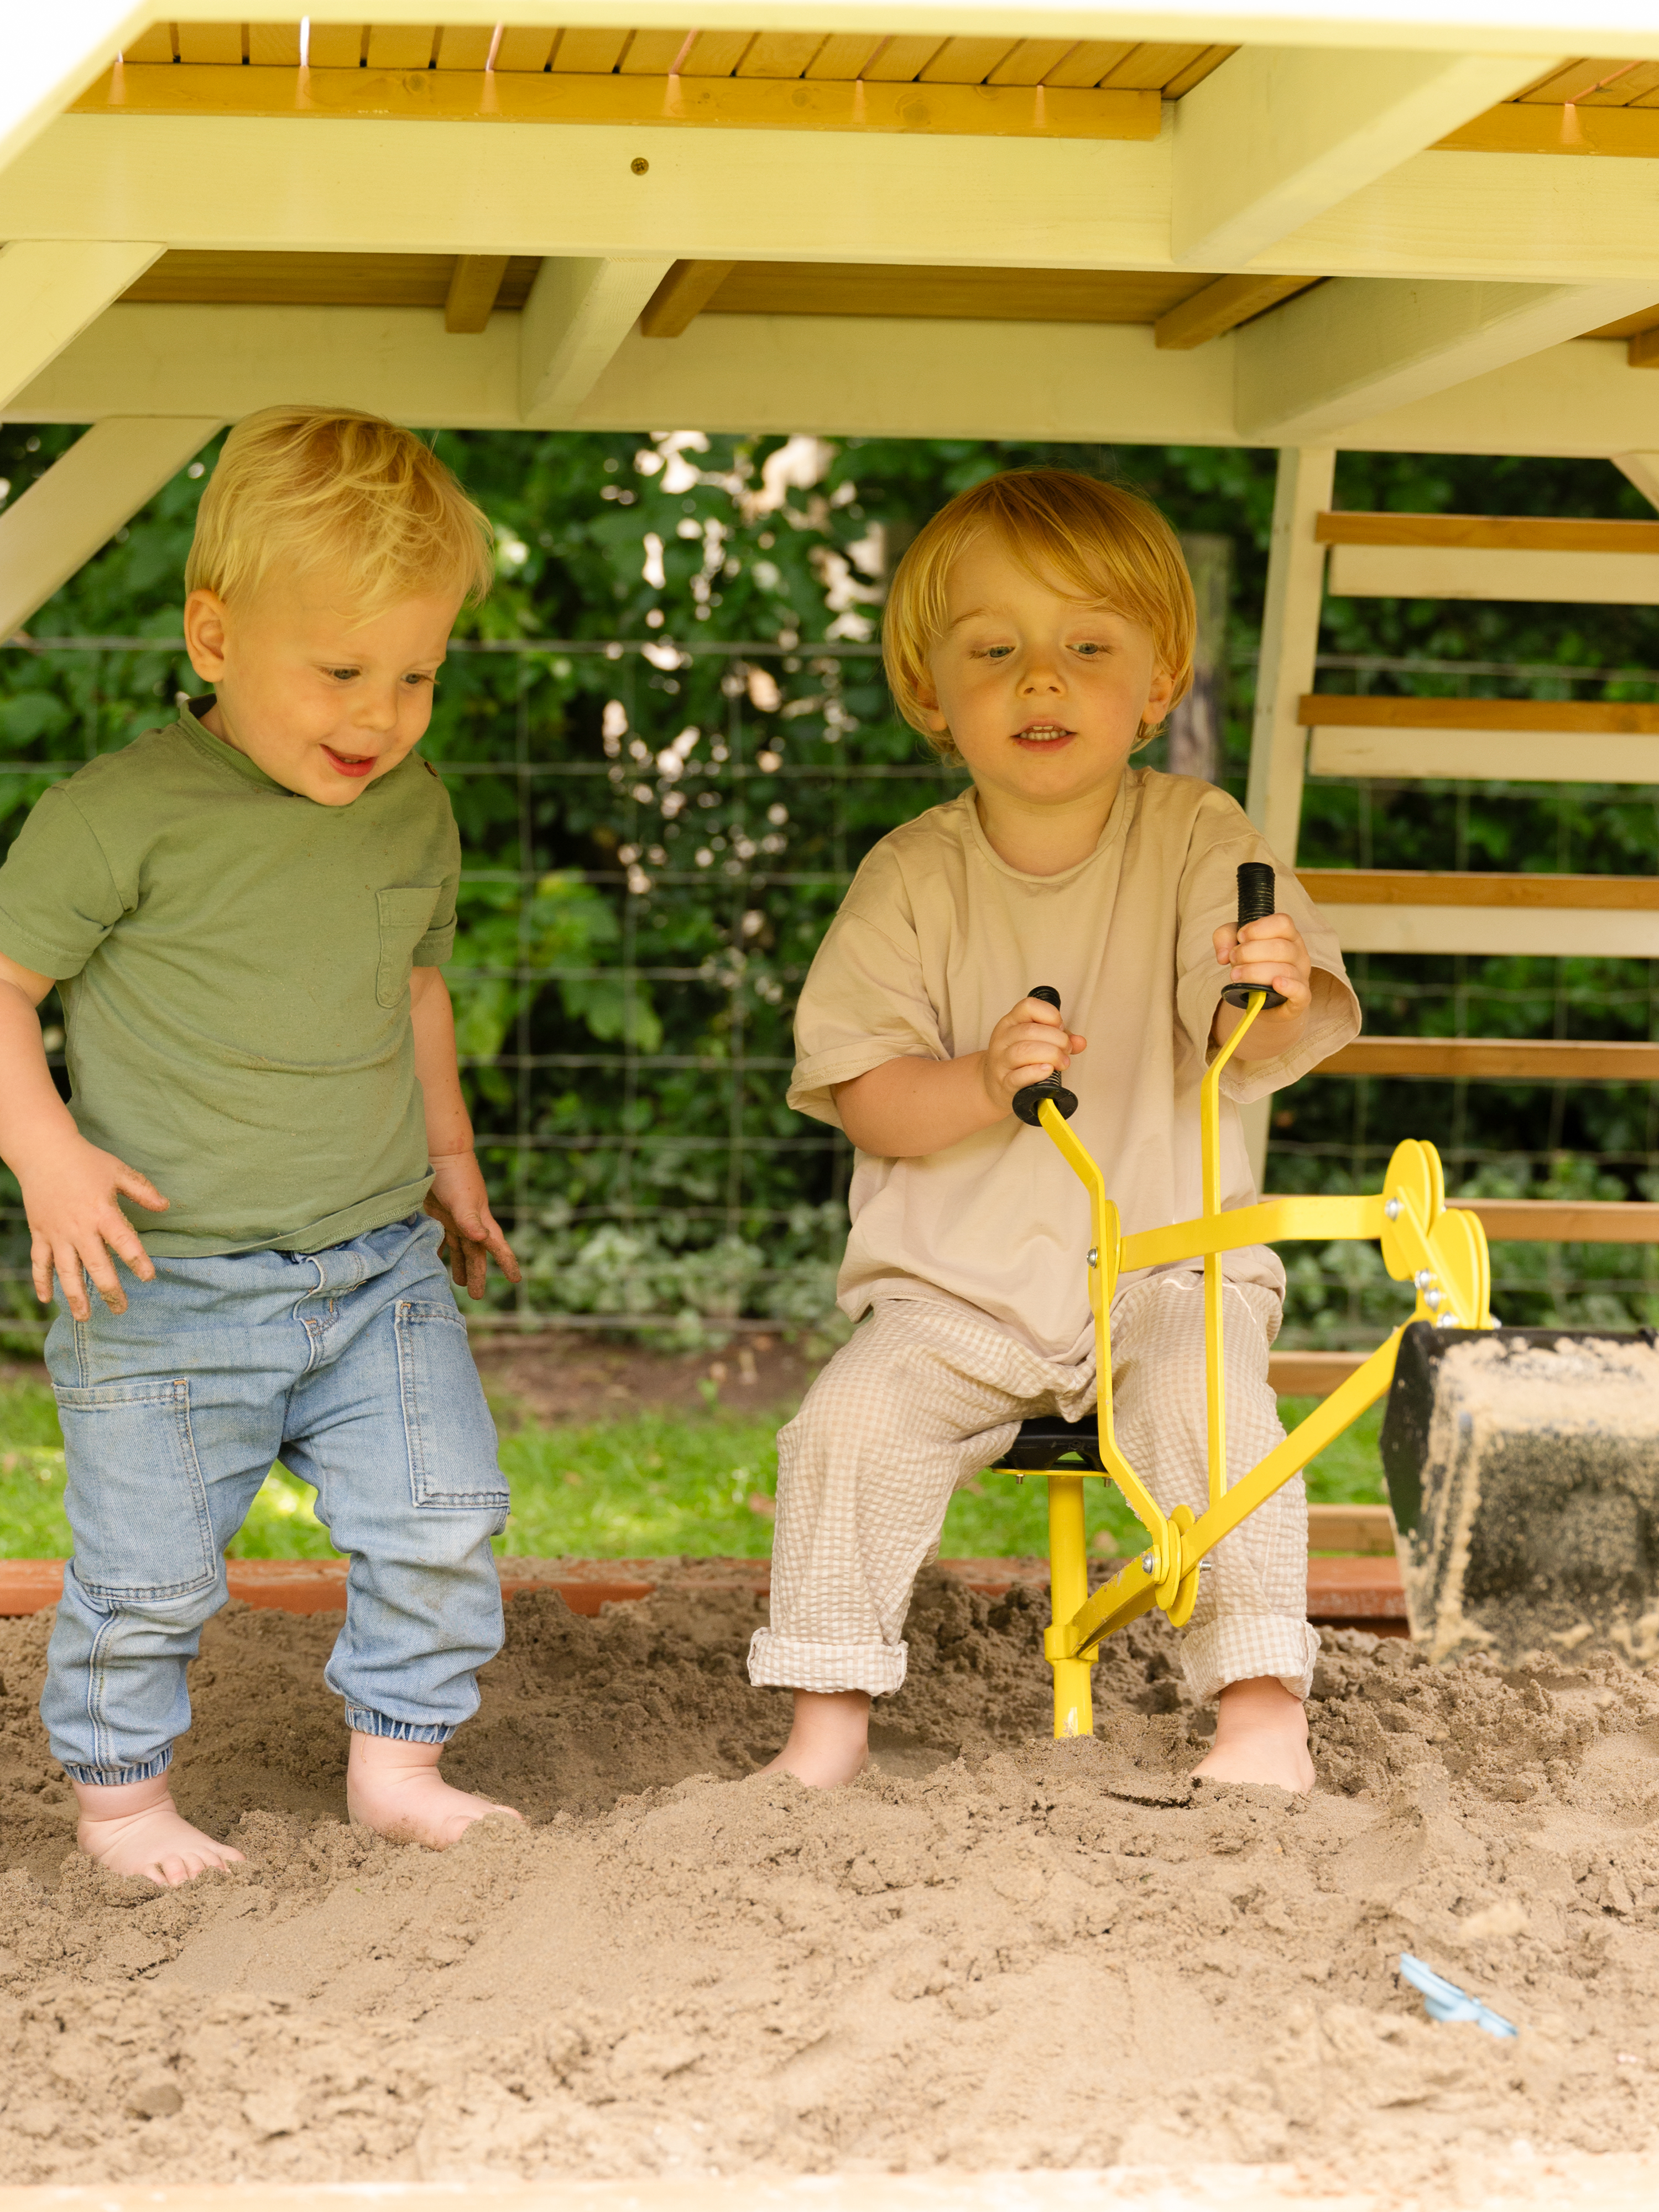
x: 1391, y: 1210
x: 1147, y: 1562
x: 1093, y: 1255
x: 1422, y: 1278
x: 1434, y: 1300
x: 1446, y: 1320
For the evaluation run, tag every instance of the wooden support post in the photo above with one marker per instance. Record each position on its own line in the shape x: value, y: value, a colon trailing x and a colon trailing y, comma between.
x: 578, y: 314
x: 58, y: 525
x: 52, y: 54
x: 1290, y: 642
x: 681, y: 297
x: 473, y: 289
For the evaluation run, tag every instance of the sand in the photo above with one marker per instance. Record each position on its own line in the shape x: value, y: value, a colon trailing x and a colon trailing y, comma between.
x: 995, y: 1952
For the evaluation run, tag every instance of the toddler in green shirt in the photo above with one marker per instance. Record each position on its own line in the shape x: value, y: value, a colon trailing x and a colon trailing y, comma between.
x: 247, y: 913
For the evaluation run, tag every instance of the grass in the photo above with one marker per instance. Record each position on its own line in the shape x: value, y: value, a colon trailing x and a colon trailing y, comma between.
x: 646, y: 1485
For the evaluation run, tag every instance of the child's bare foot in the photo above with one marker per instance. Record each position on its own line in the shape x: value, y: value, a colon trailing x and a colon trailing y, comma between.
x: 829, y: 1739
x: 1261, y: 1735
x: 395, y: 1788
x: 134, y: 1827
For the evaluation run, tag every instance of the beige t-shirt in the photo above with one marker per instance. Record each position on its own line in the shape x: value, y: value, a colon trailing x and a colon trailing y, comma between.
x: 937, y: 939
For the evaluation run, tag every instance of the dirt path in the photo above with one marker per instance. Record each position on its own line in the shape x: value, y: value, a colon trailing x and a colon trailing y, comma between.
x: 995, y: 1952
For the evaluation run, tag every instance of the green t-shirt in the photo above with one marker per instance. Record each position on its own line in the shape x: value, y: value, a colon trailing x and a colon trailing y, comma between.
x: 235, y: 963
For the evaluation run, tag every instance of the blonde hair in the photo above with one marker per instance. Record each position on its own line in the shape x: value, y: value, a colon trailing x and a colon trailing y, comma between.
x: 1098, y: 540
x: 328, y: 487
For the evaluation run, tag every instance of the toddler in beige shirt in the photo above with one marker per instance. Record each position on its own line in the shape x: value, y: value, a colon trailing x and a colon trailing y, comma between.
x: 1039, y: 630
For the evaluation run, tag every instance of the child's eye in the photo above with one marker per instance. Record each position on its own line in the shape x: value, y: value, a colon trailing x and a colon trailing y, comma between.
x: 415, y: 679
x: 996, y: 652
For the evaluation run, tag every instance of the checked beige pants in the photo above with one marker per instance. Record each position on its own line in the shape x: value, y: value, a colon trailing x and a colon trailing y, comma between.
x: 925, y: 1393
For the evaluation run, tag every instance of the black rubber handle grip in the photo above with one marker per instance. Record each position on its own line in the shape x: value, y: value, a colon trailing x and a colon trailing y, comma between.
x: 1258, y: 897
x: 1029, y: 1101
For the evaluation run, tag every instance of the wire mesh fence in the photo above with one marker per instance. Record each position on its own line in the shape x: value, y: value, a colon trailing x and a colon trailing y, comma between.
x: 656, y: 834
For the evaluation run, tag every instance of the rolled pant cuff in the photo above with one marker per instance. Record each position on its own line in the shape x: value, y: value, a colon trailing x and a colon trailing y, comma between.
x: 791, y: 1662
x: 1241, y: 1647
x: 360, y: 1719
x: 113, y: 1777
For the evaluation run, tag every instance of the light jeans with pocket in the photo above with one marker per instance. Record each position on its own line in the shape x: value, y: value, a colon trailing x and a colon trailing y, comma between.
x: 352, y: 1366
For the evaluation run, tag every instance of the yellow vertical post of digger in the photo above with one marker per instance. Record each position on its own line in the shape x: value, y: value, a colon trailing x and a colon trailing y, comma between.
x: 1442, y: 1253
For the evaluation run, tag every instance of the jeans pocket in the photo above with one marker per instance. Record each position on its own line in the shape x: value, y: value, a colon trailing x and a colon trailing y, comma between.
x: 447, y: 1425
x: 135, y: 1495
x: 405, y: 914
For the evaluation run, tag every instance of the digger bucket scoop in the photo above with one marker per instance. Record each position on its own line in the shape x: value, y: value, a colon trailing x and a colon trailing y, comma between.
x: 1523, y: 1467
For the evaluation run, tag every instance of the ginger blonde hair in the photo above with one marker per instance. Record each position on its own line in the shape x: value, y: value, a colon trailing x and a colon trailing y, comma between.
x: 1096, y: 540
x: 327, y: 487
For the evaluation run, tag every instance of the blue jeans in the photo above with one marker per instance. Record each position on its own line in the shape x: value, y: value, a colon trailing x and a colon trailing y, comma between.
x: 351, y: 1366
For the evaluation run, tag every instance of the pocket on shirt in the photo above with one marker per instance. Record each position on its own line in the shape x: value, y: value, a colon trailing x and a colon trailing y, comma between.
x: 405, y: 917
x: 135, y: 1495
x: 450, y: 1436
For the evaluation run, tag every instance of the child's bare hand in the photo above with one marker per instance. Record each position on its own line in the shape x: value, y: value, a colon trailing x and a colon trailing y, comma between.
x: 1269, y: 954
x: 458, y: 1201
x: 1029, y: 1043
x: 68, y: 1196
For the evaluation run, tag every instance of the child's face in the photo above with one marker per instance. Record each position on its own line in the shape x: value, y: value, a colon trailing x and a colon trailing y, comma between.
x: 1043, y: 693
x: 322, y: 703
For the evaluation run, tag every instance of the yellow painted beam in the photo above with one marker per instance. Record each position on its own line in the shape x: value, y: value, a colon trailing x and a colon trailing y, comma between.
x: 1274, y: 1218
x: 994, y: 110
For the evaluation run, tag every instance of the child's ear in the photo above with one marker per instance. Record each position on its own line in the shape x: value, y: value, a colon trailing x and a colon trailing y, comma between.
x: 204, y: 634
x: 1159, y: 694
x: 933, y: 714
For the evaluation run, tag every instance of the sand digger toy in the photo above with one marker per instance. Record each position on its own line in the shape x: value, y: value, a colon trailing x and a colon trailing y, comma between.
x: 1523, y: 1464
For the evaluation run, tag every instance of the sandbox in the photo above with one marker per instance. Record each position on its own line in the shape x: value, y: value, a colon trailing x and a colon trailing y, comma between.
x: 993, y: 1955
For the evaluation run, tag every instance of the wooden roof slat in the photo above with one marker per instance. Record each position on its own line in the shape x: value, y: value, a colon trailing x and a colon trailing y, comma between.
x: 782, y: 53
x: 842, y: 56
x: 652, y: 54
x: 523, y: 47
x: 1195, y: 71
x: 1524, y: 127
x: 966, y: 61
x: 1574, y: 80
x: 715, y: 53
x: 901, y: 61
x: 1150, y: 67
x: 336, y: 45
x: 977, y: 111
x: 155, y: 44
x: 1627, y: 87
x: 1532, y: 534
x: 400, y: 45
x: 464, y: 45
x: 1087, y: 63
x: 273, y: 45
x: 1031, y: 61
x: 220, y: 43
x: 587, y: 53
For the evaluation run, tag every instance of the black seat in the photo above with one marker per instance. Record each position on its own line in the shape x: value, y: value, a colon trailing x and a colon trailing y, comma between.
x: 1048, y: 1443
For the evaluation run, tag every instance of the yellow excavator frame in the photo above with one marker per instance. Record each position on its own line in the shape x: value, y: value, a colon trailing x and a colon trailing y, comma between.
x: 1444, y: 1253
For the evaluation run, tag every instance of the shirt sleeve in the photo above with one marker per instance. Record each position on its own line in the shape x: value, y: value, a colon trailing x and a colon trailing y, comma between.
x: 1209, y: 897
x: 59, y: 900
x: 864, y: 1002
x: 435, y: 947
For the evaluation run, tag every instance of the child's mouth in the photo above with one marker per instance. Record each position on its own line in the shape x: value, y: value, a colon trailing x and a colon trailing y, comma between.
x: 349, y: 764
x: 1041, y: 734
